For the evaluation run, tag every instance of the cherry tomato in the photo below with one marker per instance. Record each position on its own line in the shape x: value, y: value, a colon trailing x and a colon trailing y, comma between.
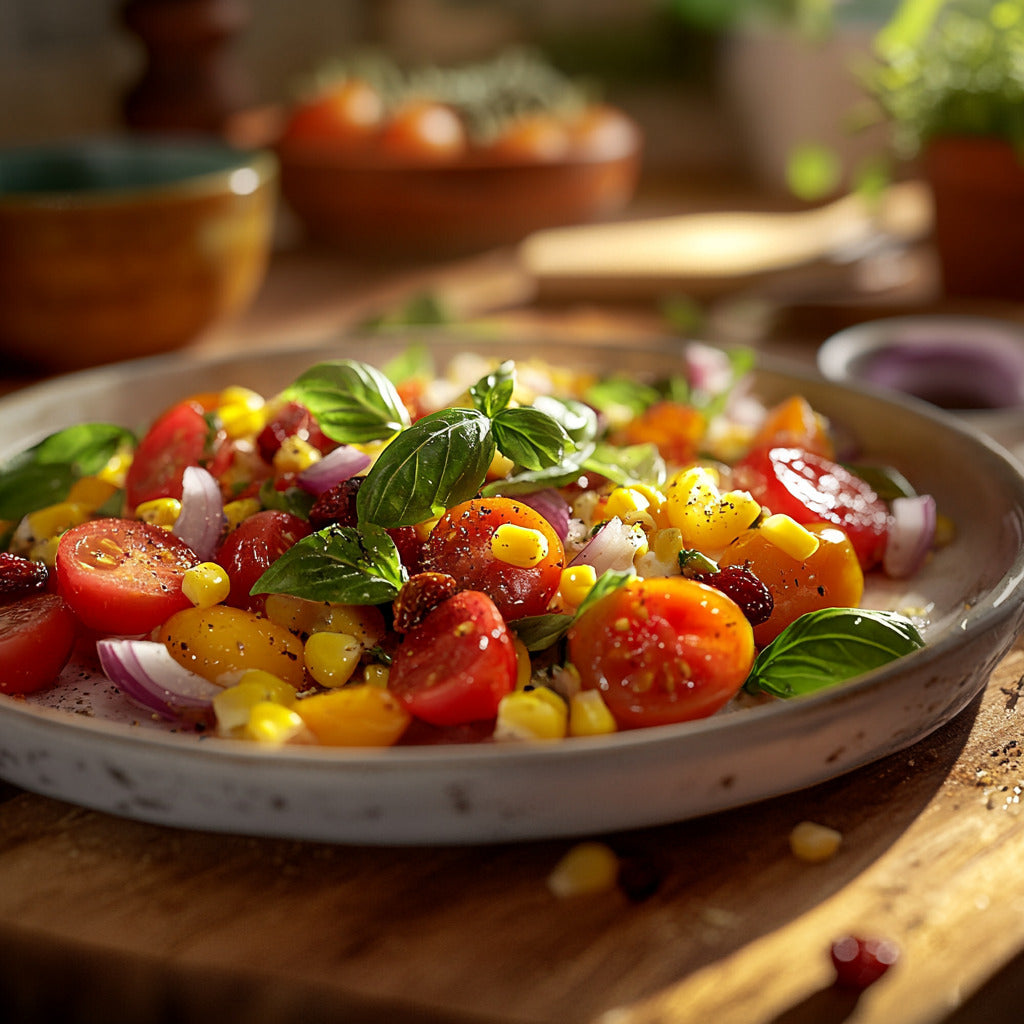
x: 348, y: 113
x: 36, y: 638
x: 457, y: 664
x: 830, y: 578
x: 793, y: 423
x: 675, y: 428
x: 249, y: 550
x: 122, y: 577
x: 602, y: 133
x: 534, y: 138
x: 812, y: 488
x: 461, y: 546
x: 180, y: 438
x: 292, y: 420
x: 423, y: 131
x: 662, y: 650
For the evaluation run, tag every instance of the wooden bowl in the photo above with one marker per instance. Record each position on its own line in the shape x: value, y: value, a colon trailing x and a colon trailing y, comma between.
x: 117, y: 248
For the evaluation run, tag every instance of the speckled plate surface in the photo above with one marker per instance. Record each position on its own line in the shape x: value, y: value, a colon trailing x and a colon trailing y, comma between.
x: 82, y: 743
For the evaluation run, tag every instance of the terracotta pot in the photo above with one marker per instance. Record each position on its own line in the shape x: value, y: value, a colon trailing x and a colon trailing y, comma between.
x: 978, y: 189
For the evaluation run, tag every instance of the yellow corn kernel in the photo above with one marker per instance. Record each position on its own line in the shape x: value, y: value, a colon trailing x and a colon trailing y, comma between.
x: 116, y: 470
x: 241, y: 412
x: 300, y: 615
x: 586, y: 868
x: 814, y: 843
x: 424, y: 529
x: 577, y: 581
x: 234, y: 704
x: 272, y: 723
x: 376, y: 675
x: 537, y: 714
x: 91, y: 492
x: 159, y: 511
x: 667, y: 544
x: 206, y: 584
x: 295, y: 455
x: 54, y: 520
x: 519, y: 545
x: 789, y: 536
x: 589, y: 715
x: 331, y: 658
x: 500, y: 467
x: 44, y: 551
x: 524, y: 667
x: 625, y: 502
x: 705, y: 518
x: 354, y: 716
x: 239, y: 510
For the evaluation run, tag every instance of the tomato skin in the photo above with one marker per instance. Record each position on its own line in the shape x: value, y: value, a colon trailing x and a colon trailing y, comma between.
x: 456, y: 665
x: 248, y: 551
x: 830, y: 578
x: 122, y: 577
x: 348, y: 113
x: 460, y: 545
x: 812, y: 488
x: 662, y: 650
x: 37, y: 635
x: 423, y: 132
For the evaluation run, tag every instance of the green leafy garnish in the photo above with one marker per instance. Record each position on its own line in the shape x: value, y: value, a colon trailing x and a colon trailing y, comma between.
x: 293, y: 499
x: 492, y: 393
x: 530, y: 438
x: 340, y: 564
x: 829, y: 646
x: 628, y: 464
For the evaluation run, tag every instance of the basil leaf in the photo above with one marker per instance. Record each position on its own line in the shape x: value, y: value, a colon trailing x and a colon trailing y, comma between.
x: 439, y: 461
x: 531, y: 439
x: 339, y: 564
x: 829, y: 646
x: 415, y: 363
x: 621, y: 397
x: 491, y: 394
x: 608, y: 581
x: 352, y: 401
x: 293, y: 499
x: 577, y: 419
x: 526, y: 481
x: 631, y: 464
x: 539, y: 632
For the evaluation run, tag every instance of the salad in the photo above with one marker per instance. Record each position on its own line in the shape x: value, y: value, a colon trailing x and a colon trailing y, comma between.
x: 505, y: 551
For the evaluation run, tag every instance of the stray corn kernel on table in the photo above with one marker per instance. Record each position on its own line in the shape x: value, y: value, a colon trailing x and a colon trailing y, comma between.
x: 727, y: 918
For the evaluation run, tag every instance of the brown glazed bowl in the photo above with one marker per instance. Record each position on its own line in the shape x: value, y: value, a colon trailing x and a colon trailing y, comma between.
x: 124, y: 247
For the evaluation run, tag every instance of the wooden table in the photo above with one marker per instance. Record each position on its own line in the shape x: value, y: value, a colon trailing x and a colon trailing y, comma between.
x: 109, y: 920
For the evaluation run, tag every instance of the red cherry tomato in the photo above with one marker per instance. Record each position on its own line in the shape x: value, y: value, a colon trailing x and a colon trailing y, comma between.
x: 812, y: 488
x: 122, y: 577
x: 249, y: 550
x: 460, y: 545
x: 292, y: 420
x: 180, y: 438
x: 36, y: 638
x: 457, y: 664
x: 348, y: 113
x: 423, y: 132
x: 662, y: 650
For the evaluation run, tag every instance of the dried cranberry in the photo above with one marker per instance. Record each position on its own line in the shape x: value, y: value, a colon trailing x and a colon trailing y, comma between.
x: 739, y: 583
x: 20, y: 577
x: 336, y: 505
x: 420, y: 595
x: 860, y: 962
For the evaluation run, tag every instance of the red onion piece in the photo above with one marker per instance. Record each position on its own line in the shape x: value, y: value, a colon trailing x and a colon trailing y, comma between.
x: 552, y: 506
x: 708, y: 369
x: 202, y: 518
x: 146, y: 672
x: 335, y: 467
x: 910, y: 537
x: 612, y: 547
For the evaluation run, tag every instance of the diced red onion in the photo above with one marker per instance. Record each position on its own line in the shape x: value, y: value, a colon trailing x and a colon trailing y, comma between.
x: 335, y: 467
x: 201, y: 520
x: 910, y: 537
x: 708, y: 369
x: 552, y: 506
x: 612, y: 547
x: 146, y: 672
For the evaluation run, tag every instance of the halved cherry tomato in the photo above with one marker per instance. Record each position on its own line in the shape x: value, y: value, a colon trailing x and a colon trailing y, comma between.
x: 249, y: 550
x: 457, y: 664
x: 460, y: 545
x: 122, y: 577
x: 812, y: 488
x: 180, y: 438
x: 36, y: 638
x: 830, y: 578
x: 662, y: 650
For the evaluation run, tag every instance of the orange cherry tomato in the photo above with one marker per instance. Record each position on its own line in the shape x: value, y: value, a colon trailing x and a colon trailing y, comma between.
x: 830, y: 578
x: 674, y: 427
x: 535, y: 138
x: 662, y: 650
x: 793, y: 423
x: 348, y: 113
x: 423, y: 132
x: 602, y: 132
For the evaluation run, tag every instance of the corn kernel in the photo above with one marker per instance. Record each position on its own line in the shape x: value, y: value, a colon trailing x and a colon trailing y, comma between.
x: 295, y: 455
x: 624, y: 501
x: 577, y: 581
x: 54, y: 520
x: 424, y: 529
x: 206, y: 584
x: 519, y: 546
x: 537, y: 714
x: 116, y: 470
x: 500, y: 467
x: 159, y: 511
x: 234, y: 704
x: 814, y: 843
x: 705, y: 518
x: 524, y: 667
x: 667, y: 544
x: 91, y: 492
x: 376, y: 675
x: 589, y: 715
x: 789, y: 536
x: 300, y: 615
x: 44, y: 551
x: 586, y: 868
x: 239, y: 510
x: 241, y: 412
x: 355, y: 716
x: 331, y: 658
x: 272, y: 723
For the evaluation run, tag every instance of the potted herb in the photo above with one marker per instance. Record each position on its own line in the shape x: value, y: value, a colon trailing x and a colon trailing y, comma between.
x: 948, y: 76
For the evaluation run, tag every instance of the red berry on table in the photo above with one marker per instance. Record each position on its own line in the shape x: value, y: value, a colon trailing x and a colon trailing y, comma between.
x: 860, y: 962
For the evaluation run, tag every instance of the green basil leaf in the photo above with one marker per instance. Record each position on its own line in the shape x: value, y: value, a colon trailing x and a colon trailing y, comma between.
x: 526, y: 481
x: 829, y: 646
x: 439, y: 461
x: 293, y: 499
x: 531, y: 439
x: 86, y: 447
x: 492, y: 393
x: 576, y: 418
x: 888, y: 483
x: 621, y: 397
x: 415, y: 363
x: 539, y: 632
x: 637, y: 463
x: 352, y: 401
x: 338, y: 564
x: 608, y: 581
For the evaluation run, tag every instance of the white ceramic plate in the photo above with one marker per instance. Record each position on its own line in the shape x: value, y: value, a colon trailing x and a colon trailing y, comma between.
x: 83, y: 744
